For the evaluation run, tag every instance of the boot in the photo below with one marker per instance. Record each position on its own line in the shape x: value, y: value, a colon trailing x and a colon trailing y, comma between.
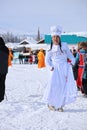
x: 60, y: 109
x: 52, y: 108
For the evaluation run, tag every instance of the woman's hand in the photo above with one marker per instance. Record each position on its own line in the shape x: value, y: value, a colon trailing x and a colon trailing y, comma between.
x: 52, y: 68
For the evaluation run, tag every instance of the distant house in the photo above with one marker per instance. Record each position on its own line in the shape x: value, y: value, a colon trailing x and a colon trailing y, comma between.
x: 26, y: 44
x: 48, y: 39
x: 28, y: 40
x: 70, y: 39
x: 30, y: 44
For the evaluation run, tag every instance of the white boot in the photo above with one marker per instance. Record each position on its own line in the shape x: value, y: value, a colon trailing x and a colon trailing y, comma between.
x: 51, y: 108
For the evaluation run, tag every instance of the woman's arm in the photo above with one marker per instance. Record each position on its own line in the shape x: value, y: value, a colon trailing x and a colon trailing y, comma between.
x: 70, y: 55
x: 48, y: 60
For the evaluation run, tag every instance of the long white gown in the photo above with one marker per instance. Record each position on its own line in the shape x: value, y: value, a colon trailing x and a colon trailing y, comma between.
x: 61, y: 88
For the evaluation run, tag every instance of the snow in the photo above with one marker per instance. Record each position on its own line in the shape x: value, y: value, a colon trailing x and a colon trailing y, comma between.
x: 82, y: 34
x: 24, y: 109
x: 35, y: 46
x: 39, y: 46
x: 29, y: 40
x: 11, y: 45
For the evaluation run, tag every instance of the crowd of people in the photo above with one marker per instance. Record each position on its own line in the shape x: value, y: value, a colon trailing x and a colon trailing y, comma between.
x: 32, y: 57
x: 68, y: 70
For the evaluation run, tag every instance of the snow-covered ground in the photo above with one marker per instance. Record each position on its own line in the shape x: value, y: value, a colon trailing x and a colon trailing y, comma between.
x: 24, y: 110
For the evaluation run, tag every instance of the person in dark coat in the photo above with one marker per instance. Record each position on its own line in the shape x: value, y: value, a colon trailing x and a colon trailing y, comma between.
x: 3, y: 67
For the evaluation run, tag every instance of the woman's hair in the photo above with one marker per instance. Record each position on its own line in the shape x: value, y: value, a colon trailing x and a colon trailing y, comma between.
x: 59, y: 45
x: 2, y: 43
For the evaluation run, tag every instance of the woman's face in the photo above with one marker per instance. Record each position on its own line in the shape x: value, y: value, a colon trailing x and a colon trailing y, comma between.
x: 55, y: 39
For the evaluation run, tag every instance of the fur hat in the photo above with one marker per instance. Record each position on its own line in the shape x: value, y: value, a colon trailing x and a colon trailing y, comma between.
x: 56, y: 31
x: 83, y: 45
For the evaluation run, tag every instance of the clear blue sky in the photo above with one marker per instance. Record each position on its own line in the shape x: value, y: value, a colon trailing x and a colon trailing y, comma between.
x: 25, y: 16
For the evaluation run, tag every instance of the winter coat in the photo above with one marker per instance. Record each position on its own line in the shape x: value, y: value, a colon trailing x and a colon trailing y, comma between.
x: 3, y: 59
x: 41, y: 59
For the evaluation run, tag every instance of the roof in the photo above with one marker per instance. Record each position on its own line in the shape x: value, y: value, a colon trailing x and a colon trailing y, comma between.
x: 38, y: 46
x: 28, y: 40
x: 69, y: 38
x: 41, y: 41
x: 11, y: 45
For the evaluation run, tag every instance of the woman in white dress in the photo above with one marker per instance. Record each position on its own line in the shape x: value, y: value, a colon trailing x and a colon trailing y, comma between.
x: 61, y: 88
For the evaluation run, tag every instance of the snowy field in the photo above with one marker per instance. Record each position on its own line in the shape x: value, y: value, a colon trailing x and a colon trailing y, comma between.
x: 23, y: 108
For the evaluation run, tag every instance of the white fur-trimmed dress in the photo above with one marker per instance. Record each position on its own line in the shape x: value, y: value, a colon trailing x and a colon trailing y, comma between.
x: 61, y: 88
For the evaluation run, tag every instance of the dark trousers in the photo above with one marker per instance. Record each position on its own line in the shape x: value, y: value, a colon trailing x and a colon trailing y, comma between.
x: 2, y: 86
x: 84, y: 83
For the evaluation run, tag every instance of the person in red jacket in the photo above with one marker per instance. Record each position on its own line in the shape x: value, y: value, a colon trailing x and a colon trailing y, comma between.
x: 30, y: 59
x: 81, y: 62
